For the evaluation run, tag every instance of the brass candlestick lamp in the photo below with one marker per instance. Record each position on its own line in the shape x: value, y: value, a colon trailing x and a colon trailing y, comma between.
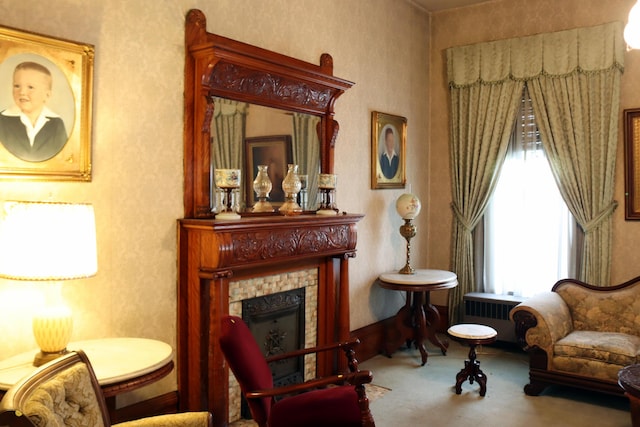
x: 408, y: 207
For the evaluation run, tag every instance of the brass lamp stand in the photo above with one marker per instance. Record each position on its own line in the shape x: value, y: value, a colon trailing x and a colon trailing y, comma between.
x: 408, y: 231
x: 408, y: 206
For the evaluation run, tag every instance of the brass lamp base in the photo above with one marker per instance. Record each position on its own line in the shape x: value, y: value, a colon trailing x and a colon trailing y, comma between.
x: 45, y: 356
x: 408, y: 231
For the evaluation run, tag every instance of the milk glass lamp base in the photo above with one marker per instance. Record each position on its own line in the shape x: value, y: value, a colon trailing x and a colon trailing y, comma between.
x: 227, y: 215
x: 326, y: 212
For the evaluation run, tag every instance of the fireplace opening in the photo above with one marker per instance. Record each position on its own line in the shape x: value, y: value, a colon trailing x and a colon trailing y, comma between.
x: 277, y: 322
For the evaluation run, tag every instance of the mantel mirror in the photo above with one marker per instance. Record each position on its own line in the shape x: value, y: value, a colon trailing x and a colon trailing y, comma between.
x: 242, y: 103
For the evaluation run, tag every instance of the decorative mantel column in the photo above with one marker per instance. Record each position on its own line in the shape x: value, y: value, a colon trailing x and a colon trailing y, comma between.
x: 212, y: 252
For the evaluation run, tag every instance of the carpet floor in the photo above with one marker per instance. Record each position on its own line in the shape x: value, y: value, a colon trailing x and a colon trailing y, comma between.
x: 424, y: 395
x: 406, y: 394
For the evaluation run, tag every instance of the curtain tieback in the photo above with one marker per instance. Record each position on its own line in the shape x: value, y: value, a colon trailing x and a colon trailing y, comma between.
x: 602, y: 215
x: 461, y: 219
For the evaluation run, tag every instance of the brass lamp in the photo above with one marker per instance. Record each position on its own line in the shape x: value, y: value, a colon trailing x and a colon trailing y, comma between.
x: 408, y: 207
x: 48, y: 242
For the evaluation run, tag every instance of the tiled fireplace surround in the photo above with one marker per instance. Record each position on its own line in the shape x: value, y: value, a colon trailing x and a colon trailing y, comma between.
x: 221, y: 263
x: 267, y: 285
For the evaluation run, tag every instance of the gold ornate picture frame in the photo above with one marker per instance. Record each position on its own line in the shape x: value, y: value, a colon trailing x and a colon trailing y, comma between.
x: 59, y: 75
x: 388, y: 143
x: 632, y: 163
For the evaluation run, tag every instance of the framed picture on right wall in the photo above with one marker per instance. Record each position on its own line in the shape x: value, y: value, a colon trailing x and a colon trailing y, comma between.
x: 632, y: 163
x: 388, y: 144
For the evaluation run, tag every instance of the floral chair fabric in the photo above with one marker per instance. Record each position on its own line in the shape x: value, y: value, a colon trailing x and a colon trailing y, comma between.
x: 580, y: 335
x: 66, y: 393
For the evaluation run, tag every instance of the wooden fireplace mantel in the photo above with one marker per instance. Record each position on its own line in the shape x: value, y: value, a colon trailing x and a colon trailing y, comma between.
x: 212, y: 253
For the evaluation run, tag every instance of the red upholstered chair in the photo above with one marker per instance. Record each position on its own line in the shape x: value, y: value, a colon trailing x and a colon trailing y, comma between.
x: 317, y: 405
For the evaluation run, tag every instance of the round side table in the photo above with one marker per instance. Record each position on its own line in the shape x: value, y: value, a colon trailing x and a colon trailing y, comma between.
x: 418, y: 319
x: 120, y: 364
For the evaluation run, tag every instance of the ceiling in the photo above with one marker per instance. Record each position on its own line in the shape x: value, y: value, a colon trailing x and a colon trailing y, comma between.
x: 437, y: 5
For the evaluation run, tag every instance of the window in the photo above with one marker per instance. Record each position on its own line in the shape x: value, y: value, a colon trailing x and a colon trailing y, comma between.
x: 528, y: 229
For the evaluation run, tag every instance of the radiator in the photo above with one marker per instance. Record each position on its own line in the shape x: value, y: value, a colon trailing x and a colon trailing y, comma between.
x: 491, y: 310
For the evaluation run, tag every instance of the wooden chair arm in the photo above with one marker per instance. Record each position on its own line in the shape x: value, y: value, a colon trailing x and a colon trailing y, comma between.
x: 353, y: 378
x: 346, y: 346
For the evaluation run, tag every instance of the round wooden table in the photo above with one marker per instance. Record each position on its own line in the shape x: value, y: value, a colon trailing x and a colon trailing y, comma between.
x: 629, y: 380
x: 418, y: 319
x: 120, y: 364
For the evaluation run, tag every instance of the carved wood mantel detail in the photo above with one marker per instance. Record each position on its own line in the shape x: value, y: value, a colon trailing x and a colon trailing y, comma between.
x: 212, y: 253
x: 216, y: 66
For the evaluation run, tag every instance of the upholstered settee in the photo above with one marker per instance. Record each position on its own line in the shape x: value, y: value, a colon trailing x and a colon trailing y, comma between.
x: 580, y: 335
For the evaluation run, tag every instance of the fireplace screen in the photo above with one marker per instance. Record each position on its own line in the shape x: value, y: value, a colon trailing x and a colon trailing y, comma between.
x: 277, y: 323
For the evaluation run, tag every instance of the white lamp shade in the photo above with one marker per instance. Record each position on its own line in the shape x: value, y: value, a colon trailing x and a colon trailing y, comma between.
x: 408, y: 206
x: 47, y: 241
x: 632, y: 29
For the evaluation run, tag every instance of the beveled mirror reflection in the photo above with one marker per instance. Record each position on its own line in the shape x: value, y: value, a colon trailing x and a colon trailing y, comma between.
x: 244, y: 136
x: 220, y: 74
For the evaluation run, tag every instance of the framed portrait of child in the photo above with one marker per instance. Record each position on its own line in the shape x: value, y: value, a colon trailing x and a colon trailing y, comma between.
x: 45, y: 107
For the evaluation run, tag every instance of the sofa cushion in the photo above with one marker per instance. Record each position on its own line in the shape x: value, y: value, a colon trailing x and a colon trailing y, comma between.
x: 608, y: 347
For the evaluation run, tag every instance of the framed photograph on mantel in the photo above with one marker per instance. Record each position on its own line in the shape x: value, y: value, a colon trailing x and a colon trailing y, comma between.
x: 45, y: 107
x: 388, y: 143
x: 632, y: 163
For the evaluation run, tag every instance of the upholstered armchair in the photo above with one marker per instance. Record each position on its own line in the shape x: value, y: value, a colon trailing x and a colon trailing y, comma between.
x: 337, y: 401
x: 65, y: 392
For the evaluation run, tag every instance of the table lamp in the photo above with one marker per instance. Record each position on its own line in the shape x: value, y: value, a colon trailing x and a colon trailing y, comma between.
x: 408, y: 207
x: 48, y: 242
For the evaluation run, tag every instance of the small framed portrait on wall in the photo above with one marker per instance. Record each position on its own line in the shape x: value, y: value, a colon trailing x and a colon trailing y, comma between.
x: 45, y: 107
x: 388, y: 143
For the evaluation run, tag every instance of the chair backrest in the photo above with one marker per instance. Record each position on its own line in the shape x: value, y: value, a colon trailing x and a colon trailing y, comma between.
x: 63, y: 392
x: 247, y: 363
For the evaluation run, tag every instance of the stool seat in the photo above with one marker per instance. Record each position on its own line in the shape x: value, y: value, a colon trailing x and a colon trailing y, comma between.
x: 474, y: 335
x: 472, y: 331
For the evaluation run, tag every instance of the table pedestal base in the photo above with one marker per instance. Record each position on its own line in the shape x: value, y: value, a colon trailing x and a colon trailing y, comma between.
x: 473, y: 335
x: 415, y: 322
x: 472, y: 372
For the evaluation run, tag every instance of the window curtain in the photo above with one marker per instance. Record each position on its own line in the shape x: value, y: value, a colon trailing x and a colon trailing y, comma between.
x: 306, y: 153
x: 485, y: 82
x: 229, y: 119
x: 227, y: 147
x: 577, y: 112
x: 528, y: 230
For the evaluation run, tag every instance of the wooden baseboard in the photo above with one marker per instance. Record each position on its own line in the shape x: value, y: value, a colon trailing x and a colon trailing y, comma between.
x: 372, y: 336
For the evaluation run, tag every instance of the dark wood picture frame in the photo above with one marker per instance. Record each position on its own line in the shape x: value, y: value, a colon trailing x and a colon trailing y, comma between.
x: 274, y: 151
x: 69, y: 103
x: 393, y: 175
x: 632, y: 163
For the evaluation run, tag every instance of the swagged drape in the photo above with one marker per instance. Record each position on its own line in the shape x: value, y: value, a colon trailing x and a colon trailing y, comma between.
x: 306, y: 152
x: 574, y: 78
x: 229, y: 123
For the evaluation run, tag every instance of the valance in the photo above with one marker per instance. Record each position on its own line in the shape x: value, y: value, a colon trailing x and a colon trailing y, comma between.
x: 589, y: 49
